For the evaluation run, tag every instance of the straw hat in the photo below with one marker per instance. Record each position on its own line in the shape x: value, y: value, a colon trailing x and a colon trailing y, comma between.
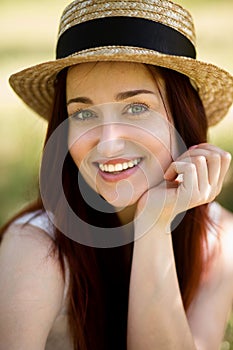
x: 156, y: 32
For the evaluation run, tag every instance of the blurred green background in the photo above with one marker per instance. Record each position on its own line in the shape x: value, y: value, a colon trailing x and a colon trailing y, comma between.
x: 28, y: 35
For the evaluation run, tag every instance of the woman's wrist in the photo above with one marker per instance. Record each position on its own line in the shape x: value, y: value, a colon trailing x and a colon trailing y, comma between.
x: 148, y: 224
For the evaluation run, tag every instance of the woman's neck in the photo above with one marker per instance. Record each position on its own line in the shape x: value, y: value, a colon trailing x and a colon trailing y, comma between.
x: 126, y: 215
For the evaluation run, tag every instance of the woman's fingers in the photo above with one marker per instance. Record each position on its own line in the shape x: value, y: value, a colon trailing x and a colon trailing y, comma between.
x: 193, y: 179
x: 202, y: 174
x: 214, y: 168
x: 218, y: 160
x: 194, y: 187
x: 225, y: 163
x: 188, y: 172
x: 203, y: 170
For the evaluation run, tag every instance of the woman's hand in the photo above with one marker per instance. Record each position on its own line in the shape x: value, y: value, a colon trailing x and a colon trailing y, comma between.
x: 194, y: 178
x: 157, y: 318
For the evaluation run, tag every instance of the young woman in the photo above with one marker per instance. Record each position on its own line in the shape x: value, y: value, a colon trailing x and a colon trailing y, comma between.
x: 125, y: 247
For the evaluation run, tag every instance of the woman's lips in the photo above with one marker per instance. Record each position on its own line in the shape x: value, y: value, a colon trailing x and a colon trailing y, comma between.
x: 118, y: 169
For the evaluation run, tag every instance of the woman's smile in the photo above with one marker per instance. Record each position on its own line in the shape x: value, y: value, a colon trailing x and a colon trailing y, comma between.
x: 117, y: 169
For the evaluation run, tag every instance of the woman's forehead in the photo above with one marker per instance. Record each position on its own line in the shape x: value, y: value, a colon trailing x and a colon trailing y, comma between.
x: 110, y: 75
x: 108, y: 65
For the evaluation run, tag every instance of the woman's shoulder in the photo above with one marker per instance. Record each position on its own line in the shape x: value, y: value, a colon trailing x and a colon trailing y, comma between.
x: 219, y: 275
x: 32, y: 286
x: 226, y: 240
x: 226, y: 220
x: 29, y: 242
x: 220, y: 241
x: 37, y: 218
x: 29, y: 233
x: 215, y: 292
x: 28, y: 250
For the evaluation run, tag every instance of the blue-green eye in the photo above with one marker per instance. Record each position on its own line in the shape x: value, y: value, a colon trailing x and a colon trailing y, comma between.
x: 136, y: 108
x: 84, y: 114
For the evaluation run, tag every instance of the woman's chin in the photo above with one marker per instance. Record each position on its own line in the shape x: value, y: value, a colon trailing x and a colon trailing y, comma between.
x: 119, y: 202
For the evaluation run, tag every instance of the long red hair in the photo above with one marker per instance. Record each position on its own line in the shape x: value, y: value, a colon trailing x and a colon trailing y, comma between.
x: 99, y: 277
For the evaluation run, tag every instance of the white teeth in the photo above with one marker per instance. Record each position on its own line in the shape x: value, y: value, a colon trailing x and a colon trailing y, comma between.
x: 110, y: 168
x: 125, y: 165
x: 131, y: 164
x: 118, y: 167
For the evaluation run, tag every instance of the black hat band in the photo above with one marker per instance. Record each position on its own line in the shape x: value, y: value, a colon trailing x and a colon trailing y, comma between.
x: 124, y: 31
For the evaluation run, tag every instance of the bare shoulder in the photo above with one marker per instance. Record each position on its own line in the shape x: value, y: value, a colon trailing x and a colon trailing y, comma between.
x: 31, y: 244
x: 31, y: 287
x: 226, y: 222
x: 226, y: 241
x: 26, y: 251
x: 220, y: 249
x: 215, y: 292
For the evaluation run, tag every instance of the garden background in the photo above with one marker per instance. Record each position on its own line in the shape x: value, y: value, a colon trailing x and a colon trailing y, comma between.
x: 28, y: 34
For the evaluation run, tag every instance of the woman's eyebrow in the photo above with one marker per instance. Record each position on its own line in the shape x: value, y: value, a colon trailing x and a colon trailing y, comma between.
x: 120, y: 96
x: 80, y: 99
x: 127, y: 94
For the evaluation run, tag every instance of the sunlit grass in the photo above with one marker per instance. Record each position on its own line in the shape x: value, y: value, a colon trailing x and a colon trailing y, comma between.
x: 20, y: 153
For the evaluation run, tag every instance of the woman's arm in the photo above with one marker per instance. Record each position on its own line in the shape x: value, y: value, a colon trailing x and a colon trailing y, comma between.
x: 31, y: 289
x: 156, y: 318
x: 156, y: 315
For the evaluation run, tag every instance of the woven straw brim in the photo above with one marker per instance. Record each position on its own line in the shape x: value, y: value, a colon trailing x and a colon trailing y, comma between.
x: 35, y: 85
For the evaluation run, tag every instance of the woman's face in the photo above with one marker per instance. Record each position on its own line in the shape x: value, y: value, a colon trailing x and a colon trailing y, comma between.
x: 119, y: 133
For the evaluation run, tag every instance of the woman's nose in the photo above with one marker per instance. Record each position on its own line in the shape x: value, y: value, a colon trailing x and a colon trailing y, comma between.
x: 111, y: 142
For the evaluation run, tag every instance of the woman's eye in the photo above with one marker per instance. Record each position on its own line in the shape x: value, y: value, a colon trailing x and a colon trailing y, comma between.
x: 136, y: 108
x: 84, y: 114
